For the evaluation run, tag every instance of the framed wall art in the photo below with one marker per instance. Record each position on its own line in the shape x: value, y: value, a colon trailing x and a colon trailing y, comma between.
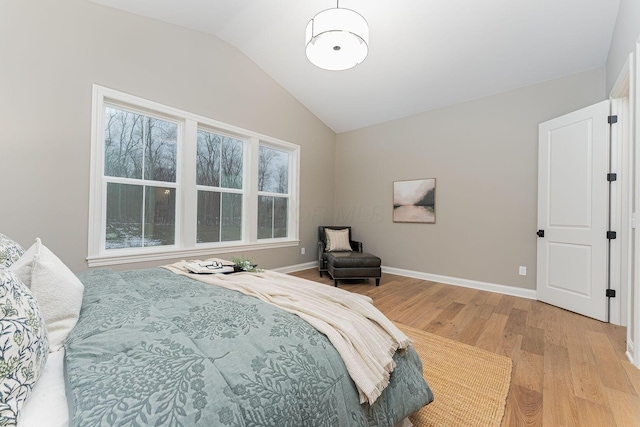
x: 415, y: 201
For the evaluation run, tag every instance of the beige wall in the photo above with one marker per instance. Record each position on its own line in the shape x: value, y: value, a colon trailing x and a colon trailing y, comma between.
x: 50, y: 55
x: 623, y: 41
x: 483, y: 154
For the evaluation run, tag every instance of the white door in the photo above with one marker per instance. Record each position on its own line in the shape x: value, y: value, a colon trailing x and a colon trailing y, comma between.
x: 573, y: 207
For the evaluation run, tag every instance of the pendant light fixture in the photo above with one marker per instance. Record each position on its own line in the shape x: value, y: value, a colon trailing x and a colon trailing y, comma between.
x: 337, y: 39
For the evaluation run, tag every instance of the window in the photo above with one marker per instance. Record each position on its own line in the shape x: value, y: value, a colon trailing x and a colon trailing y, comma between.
x: 219, y: 179
x: 140, y: 159
x: 166, y: 183
x: 273, y: 192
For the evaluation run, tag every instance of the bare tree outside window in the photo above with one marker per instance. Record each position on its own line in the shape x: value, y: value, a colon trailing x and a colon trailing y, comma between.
x: 282, y: 179
x: 280, y: 210
x: 167, y: 182
x: 265, y: 158
x: 231, y: 163
x: 273, y: 177
x: 273, y: 170
x: 124, y: 218
x: 208, y: 217
x: 208, y: 161
x: 160, y: 150
x: 219, y: 166
x: 123, y: 144
x: 139, y: 147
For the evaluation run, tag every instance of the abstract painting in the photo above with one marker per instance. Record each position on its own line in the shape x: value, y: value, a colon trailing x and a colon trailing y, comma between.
x: 415, y: 201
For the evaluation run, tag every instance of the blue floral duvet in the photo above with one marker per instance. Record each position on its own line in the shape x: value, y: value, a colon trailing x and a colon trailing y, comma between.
x: 152, y: 348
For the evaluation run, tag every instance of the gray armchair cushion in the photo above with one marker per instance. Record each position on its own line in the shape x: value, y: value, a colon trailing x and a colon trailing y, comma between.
x: 352, y: 260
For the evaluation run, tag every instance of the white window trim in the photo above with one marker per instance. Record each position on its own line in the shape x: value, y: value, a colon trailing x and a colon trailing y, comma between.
x: 186, y: 196
x: 293, y: 172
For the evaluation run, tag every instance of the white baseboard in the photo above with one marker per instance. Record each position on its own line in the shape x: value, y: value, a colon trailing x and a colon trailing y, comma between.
x: 297, y: 267
x: 629, y: 352
x: 466, y: 283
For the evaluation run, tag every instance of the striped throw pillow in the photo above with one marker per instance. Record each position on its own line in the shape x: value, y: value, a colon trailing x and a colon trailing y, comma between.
x: 337, y: 240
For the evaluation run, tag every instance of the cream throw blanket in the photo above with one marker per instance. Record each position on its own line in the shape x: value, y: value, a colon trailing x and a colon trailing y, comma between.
x: 364, y: 337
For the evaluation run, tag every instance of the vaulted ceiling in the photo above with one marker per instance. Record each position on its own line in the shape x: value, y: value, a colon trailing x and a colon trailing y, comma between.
x: 423, y: 54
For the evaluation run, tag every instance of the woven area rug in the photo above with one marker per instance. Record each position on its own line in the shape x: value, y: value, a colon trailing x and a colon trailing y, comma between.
x: 470, y: 385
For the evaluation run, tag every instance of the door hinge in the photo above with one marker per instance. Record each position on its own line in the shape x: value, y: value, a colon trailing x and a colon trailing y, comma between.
x: 611, y: 293
x: 540, y: 233
x: 612, y: 119
x: 612, y: 177
x: 611, y: 235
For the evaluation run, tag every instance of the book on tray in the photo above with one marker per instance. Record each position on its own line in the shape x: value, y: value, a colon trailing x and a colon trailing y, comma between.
x: 208, y: 267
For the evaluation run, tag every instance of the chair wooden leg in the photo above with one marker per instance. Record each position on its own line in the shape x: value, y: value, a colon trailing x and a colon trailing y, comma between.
x: 335, y: 282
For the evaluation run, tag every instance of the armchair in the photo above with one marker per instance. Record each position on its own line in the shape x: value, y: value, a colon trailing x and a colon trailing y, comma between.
x: 344, y: 263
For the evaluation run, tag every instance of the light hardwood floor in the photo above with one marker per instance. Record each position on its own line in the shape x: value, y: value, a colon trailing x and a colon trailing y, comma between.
x: 568, y: 370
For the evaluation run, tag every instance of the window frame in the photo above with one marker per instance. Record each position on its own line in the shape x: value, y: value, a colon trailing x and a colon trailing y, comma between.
x: 286, y: 195
x: 185, y: 245
x: 222, y: 190
x: 142, y: 182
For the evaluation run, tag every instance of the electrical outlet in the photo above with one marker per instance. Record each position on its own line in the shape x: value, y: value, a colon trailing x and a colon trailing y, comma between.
x: 302, y: 251
x: 522, y: 270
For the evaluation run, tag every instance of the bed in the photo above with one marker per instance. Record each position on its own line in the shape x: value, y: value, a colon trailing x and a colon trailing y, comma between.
x: 153, y: 348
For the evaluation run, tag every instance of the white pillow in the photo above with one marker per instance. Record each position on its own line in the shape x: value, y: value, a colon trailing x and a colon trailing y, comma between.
x: 58, y: 291
x: 22, y: 267
x: 337, y: 240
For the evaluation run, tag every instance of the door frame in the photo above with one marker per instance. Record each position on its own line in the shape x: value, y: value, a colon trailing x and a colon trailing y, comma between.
x: 633, y: 313
x: 625, y: 199
x: 621, y: 195
x: 625, y: 202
